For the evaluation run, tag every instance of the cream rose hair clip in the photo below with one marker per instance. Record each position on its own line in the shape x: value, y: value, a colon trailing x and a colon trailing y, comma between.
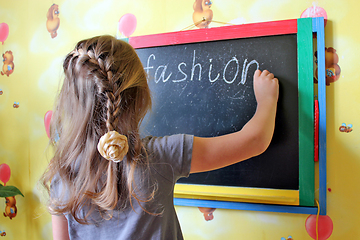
x: 113, y: 146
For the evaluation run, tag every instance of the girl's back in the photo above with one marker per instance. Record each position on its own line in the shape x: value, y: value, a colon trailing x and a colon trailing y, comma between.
x: 169, y: 159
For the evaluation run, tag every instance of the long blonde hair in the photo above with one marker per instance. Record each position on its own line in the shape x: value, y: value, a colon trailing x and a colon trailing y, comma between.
x: 105, y: 88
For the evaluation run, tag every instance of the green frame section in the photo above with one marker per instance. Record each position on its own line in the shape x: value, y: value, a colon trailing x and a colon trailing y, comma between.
x: 306, y: 112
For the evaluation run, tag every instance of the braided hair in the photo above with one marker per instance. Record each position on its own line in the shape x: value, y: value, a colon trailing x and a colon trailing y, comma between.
x: 104, y: 89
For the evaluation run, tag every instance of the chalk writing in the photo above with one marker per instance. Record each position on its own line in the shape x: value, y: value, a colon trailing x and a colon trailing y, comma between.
x: 195, y: 70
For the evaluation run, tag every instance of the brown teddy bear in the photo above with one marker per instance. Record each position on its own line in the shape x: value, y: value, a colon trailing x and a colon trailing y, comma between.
x: 8, y: 67
x: 202, y: 15
x: 53, y: 20
x: 10, y: 209
x: 331, y: 66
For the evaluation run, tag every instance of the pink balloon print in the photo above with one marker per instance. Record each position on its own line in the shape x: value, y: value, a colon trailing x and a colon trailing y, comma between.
x: 314, y: 11
x: 127, y: 24
x: 47, y: 119
x: 5, y: 173
x: 4, y: 32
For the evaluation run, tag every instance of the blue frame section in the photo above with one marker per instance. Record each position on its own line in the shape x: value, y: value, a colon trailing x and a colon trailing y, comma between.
x: 318, y: 28
x: 245, y: 206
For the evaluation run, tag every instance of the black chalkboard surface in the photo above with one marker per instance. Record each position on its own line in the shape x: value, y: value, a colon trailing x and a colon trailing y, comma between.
x: 205, y: 89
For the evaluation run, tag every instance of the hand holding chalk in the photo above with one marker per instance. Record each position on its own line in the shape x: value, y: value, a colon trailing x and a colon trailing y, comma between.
x: 266, y: 87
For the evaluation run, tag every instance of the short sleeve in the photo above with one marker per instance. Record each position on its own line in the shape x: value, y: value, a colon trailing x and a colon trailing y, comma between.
x: 174, y: 151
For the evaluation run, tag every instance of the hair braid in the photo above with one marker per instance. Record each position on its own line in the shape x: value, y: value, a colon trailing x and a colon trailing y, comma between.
x: 113, y: 103
x: 107, y: 84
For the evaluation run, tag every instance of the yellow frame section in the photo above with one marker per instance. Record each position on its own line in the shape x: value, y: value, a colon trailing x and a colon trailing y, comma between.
x: 237, y: 194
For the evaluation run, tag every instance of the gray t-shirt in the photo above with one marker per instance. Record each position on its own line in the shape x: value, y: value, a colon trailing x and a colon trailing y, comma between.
x: 170, y: 159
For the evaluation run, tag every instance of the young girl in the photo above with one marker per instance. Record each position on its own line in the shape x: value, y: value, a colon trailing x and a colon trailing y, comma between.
x: 107, y: 182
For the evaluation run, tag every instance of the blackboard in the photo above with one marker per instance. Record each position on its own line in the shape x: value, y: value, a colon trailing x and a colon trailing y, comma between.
x: 201, y: 83
x: 206, y: 89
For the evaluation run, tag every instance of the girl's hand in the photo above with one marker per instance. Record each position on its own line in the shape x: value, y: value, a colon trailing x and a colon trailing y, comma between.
x: 266, y: 87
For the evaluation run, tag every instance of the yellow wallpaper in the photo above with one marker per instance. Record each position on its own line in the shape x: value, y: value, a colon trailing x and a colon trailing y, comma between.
x: 37, y: 72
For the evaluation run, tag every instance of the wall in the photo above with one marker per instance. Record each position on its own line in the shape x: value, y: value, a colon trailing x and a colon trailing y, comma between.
x: 32, y: 84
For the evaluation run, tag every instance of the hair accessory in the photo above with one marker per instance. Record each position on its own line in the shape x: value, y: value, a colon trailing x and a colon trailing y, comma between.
x: 113, y: 146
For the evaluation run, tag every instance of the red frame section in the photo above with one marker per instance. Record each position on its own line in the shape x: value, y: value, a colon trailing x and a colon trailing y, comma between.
x: 316, y: 137
x: 213, y: 34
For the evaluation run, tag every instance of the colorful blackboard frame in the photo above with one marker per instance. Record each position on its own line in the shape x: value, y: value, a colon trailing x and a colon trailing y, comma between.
x: 304, y: 28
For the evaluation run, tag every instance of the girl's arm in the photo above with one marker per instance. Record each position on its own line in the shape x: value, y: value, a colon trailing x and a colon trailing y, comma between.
x: 252, y: 140
x: 60, y: 228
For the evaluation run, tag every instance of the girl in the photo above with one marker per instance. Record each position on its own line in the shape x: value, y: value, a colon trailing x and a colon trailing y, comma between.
x: 107, y: 182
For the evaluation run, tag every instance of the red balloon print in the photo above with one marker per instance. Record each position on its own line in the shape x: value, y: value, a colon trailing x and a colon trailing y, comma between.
x: 4, y: 32
x: 325, y: 226
x: 5, y: 173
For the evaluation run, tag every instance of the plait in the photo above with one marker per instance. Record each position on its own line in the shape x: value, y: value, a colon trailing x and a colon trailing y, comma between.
x: 106, y: 83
